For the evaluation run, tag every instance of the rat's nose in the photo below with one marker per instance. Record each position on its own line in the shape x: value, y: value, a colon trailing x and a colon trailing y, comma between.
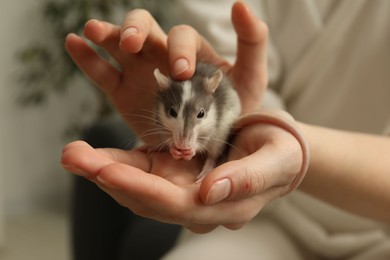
x: 183, y: 145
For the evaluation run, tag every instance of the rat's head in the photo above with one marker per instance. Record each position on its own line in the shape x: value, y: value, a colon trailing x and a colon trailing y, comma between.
x: 187, y: 112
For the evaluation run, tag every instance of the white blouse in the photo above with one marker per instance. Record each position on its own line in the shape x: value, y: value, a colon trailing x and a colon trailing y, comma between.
x: 329, y: 64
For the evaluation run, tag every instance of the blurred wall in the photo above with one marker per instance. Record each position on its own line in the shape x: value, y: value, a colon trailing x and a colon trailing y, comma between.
x: 30, y: 138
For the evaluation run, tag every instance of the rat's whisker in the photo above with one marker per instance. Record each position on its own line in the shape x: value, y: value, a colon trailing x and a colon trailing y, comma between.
x: 226, y: 143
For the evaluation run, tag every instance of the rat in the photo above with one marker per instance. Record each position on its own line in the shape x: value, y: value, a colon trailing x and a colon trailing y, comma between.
x: 196, y: 115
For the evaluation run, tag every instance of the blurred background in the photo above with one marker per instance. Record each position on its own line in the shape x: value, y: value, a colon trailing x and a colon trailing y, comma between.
x: 44, y: 103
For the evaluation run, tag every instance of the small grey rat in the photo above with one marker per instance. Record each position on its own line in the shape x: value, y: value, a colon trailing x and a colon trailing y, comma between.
x: 196, y: 115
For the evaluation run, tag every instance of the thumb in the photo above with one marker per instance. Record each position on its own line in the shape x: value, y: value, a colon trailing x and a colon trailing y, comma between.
x: 246, y: 177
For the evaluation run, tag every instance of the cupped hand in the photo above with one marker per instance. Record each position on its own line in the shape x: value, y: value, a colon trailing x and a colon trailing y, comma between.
x: 151, y: 185
x: 261, y: 167
x: 139, y: 46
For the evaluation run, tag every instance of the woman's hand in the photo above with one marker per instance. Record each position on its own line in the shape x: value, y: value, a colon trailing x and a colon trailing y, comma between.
x: 262, y: 165
x: 139, y: 46
x: 154, y: 185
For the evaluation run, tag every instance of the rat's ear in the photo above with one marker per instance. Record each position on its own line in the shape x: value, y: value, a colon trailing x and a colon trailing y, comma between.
x: 162, y: 80
x: 212, y: 83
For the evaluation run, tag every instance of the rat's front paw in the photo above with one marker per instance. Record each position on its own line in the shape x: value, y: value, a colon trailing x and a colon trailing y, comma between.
x: 182, y: 154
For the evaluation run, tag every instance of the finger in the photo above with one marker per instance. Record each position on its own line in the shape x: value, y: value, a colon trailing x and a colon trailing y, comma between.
x: 82, y: 159
x: 139, y: 28
x: 168, y: 202
x: 135, y: 204
x: 154, y: 197
x: 141, y: 207
x: 185, y: 46
x: 105, y: 35
x: 251, y: 62
x: 230, y: 213
x: 101, y: 72
x: 246, y: 177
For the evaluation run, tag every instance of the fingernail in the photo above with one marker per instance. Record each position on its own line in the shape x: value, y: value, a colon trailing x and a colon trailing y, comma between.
x: 180, y: 66
x: 219, y: 191
x: 128, y: 32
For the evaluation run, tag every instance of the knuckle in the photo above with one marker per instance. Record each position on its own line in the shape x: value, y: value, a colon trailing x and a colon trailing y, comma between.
x: 252, y: 182
x: 259, y: 182
x: 182, y: 28
x: 183, y: 40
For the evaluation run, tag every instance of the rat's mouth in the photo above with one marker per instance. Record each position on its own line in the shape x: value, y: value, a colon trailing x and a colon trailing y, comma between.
x: 182, y: 154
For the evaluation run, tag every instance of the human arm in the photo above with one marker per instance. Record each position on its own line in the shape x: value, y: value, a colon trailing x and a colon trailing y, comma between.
x: 349, y: 170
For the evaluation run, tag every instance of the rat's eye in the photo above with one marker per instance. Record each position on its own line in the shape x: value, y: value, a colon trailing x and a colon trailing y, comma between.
x: 201, y: 114
x: 172, y: 112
